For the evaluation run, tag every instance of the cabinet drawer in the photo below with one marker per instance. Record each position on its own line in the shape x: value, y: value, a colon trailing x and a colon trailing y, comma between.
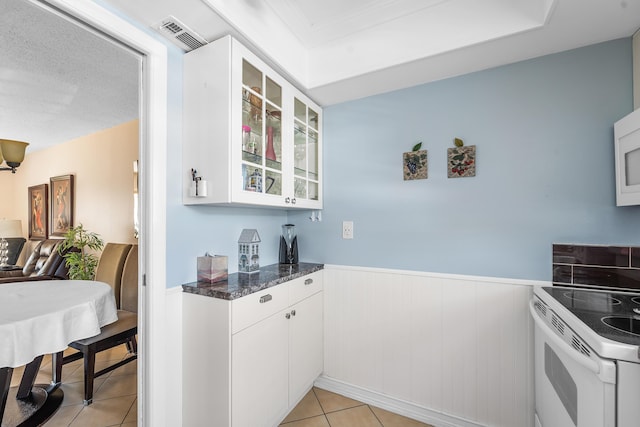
x: 253, y: 308
x: 304, y: 287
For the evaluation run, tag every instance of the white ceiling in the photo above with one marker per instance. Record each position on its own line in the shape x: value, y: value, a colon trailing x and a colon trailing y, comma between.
x: 326, y: 42
x: 338, y: 50
x: 59, y: 82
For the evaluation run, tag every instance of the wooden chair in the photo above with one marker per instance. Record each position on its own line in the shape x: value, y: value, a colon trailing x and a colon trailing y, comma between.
x: 122, y: 331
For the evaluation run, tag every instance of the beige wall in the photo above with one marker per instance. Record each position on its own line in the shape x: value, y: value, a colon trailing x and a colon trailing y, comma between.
x: 102, y: 165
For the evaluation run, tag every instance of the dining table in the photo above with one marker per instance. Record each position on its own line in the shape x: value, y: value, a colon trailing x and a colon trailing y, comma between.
x: 42, y: 317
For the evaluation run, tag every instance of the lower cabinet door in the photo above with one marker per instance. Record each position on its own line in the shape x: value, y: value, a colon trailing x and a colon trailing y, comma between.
x: 259, y: 373
x: 305, y: 345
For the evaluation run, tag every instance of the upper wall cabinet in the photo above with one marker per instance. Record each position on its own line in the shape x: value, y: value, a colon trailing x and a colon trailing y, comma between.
x: 251, y: 137
x: 627, y: 158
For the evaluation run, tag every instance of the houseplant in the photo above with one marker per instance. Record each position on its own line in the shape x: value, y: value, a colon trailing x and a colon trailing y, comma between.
x: 77, y: 248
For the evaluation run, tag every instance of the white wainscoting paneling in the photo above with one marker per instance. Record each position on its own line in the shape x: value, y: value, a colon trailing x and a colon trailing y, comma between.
x: 459, y: 346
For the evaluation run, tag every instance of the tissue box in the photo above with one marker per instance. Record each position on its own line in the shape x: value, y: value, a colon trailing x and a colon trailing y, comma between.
x: 212, y: 269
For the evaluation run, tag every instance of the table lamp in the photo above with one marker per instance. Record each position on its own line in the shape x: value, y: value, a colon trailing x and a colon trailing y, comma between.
x: 8, y: 228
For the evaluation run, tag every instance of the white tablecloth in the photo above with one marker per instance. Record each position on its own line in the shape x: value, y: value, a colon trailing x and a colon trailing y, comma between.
x: 43, y: 317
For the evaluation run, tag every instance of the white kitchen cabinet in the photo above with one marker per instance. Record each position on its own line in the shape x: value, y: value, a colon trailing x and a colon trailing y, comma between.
x: 251, y: 137
x: 259, y: 363
x: 627, y: 159
x: 288, y: 346
x: 305, y: 345
x: 249, y: 361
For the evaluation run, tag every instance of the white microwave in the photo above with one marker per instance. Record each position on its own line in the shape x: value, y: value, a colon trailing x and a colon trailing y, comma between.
x: 627, y: 152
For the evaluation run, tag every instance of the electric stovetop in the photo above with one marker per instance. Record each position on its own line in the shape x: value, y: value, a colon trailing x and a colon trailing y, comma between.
x: 609, y: 314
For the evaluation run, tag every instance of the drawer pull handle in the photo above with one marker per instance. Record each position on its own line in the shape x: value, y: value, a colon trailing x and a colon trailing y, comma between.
x: 265, y: 298
x: 293, y: 312
x: 288, y: 316
x: 308, y: 281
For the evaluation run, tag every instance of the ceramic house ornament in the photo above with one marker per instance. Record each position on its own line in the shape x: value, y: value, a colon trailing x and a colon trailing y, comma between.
x: 248, y: 251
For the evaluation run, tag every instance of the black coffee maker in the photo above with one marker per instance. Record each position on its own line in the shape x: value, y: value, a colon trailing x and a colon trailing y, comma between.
x: 288, y: 245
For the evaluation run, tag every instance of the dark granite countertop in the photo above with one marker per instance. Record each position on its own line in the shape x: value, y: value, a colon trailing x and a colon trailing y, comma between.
x: 239, y: 285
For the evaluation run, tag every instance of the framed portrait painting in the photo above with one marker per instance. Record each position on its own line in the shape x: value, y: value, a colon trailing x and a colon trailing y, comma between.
x: 61, y: 204
x: 38, y: 208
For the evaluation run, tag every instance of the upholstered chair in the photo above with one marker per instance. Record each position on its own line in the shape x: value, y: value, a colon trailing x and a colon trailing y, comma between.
x: 44, y: 263
x: 110, y: 266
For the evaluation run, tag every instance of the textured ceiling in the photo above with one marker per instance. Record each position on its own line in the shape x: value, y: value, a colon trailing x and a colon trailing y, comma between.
x: 58, y: 81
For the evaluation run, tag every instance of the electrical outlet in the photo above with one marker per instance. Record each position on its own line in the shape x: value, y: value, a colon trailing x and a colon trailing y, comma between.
x: 316, y: 216
x: 347, y: 229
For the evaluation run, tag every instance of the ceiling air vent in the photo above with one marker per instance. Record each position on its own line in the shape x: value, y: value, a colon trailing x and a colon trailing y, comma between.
x: 180, y: 34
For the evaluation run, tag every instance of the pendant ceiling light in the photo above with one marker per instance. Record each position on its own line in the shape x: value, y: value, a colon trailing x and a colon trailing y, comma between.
x: 12, y: 152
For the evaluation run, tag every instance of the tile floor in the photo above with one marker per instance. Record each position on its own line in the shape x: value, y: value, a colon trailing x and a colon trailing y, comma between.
x: 115, y: 401
x: 114, y: 396
x: 321, y: 408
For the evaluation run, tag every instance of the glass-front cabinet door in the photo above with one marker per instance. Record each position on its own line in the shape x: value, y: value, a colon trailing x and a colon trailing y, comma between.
x: 306, y: 178
x: 250, y: 137
x: 261, y: 132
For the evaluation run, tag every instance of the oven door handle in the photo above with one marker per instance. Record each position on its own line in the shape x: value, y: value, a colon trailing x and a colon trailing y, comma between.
x: 568, y: 350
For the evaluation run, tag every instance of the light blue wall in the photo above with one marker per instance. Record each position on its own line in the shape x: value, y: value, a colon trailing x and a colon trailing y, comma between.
x: 545, y: 169
x: 194, y: 230
x: 543, y: 130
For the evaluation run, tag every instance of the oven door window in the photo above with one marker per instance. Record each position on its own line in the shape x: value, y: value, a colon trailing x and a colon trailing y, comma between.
x: 562, y: 383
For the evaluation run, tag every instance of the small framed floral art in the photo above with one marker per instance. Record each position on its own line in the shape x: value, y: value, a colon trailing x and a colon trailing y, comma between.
x: 461, y: 161
x: 415, y: 163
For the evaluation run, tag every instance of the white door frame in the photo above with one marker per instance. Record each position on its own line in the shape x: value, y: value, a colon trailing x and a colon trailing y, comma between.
x: 152, y: 364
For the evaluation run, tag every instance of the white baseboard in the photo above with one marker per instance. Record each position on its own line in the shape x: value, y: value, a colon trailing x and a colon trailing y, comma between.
x: 391, y: 404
